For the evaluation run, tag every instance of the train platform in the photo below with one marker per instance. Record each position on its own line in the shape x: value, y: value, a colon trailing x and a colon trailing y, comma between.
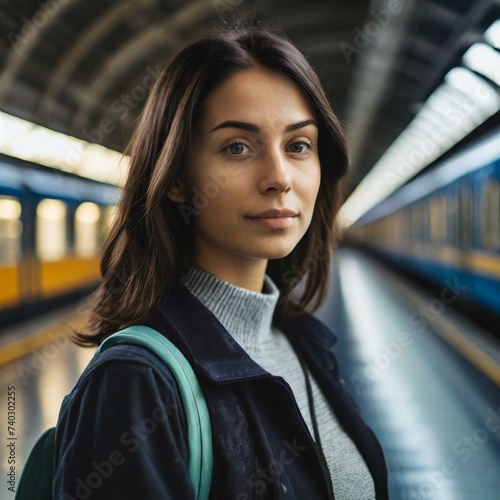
x: 425, y: 378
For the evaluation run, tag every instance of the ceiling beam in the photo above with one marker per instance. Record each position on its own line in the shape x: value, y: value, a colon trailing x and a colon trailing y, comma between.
x: 164, y: 33
x: 19, y: 55
x: 376, y: 63
x: 85, y: 42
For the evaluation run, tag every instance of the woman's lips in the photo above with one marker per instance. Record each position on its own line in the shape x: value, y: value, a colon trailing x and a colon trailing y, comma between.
x: 274, y: 222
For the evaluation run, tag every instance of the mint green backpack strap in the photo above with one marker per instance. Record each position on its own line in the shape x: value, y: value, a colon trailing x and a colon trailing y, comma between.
x: 195, y: 408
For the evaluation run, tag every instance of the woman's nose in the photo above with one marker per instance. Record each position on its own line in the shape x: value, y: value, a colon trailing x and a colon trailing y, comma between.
x: 275, y: 172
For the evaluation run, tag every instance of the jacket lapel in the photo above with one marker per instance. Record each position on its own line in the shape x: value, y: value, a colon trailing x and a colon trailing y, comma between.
x: 203, y: 339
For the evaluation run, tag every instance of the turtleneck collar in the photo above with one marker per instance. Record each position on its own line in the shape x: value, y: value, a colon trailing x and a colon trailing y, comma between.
x: 245, y: 314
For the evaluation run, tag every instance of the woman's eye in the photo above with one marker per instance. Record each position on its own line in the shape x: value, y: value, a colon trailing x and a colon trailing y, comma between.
x: 235, y: 149
x: 301, y: 147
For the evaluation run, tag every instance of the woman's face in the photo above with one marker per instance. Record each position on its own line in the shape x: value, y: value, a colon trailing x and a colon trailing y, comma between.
x: 255, y: 149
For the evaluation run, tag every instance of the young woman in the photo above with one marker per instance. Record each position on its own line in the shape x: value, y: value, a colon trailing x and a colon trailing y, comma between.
x: 221, y: 242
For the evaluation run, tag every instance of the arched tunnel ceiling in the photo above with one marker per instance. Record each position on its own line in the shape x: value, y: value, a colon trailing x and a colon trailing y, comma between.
x: 83, y: 67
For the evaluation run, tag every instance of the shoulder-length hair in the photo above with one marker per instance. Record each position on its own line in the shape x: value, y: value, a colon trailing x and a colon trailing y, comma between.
x: 150, y: 243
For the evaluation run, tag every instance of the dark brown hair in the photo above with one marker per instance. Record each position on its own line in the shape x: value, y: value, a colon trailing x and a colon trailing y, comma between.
x: 150, y: 243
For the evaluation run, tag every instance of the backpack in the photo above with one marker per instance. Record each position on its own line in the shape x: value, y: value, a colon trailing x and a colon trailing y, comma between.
x: 36, y: 479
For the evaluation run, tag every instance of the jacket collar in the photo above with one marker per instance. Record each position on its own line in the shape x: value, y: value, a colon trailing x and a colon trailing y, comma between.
x: 210, y: 347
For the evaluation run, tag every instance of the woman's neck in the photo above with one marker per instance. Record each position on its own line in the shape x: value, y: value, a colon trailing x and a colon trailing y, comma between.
x: 245, y: 314
x: 248, y: 274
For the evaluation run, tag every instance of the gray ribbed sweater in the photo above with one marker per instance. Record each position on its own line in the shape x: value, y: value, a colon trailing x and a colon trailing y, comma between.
x: 247, y: 316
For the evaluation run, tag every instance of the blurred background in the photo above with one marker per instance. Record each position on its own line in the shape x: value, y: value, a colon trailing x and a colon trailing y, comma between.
x: 415, y: 284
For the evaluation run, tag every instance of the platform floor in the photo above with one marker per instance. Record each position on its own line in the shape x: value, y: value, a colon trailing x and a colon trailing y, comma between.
x: 436, y: 413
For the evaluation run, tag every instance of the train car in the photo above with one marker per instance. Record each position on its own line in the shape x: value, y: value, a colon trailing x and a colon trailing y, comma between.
x: 443, y: 227
x: 52, y: 226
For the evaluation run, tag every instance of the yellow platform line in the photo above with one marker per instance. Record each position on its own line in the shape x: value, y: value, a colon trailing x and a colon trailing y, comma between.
x: 469, y: 350
x: 24, y: 346
x: 453, y: 336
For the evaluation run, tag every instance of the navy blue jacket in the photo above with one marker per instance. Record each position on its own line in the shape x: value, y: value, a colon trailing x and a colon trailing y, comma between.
x: 121, y: 433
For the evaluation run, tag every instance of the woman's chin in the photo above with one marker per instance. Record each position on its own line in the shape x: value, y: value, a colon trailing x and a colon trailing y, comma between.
x: 277, y: 252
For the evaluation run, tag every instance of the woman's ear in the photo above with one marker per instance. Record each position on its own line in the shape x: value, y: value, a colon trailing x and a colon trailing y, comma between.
x: 177, y: 193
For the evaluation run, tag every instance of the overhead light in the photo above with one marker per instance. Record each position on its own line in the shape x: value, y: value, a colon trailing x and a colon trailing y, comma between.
x: 492, y: 34
x: 476, y: 98
x: 485, y: 60
x: 28, y: 141
x: 460, y: 104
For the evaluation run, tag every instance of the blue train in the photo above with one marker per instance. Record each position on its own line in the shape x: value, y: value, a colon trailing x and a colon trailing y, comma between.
x: 52, y: 226
x: 444, y: 227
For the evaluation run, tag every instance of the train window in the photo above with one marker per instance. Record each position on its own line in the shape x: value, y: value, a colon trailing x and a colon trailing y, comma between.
x: 398, y: 230
x: 51, y: 231
x: 425, y: 233
x: 10, y: 230
x: 87, y: 229
x: 465, y: 216
x: 438, y: 219
x: 416, y: 221
x: 405, y: 228
x: 491, y: 215
x: 452, y: 207
x: 447, y: 217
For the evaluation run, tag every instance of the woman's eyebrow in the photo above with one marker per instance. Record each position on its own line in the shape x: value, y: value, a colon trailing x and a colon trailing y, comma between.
x: 254, y: 128
x: 303, y: 123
